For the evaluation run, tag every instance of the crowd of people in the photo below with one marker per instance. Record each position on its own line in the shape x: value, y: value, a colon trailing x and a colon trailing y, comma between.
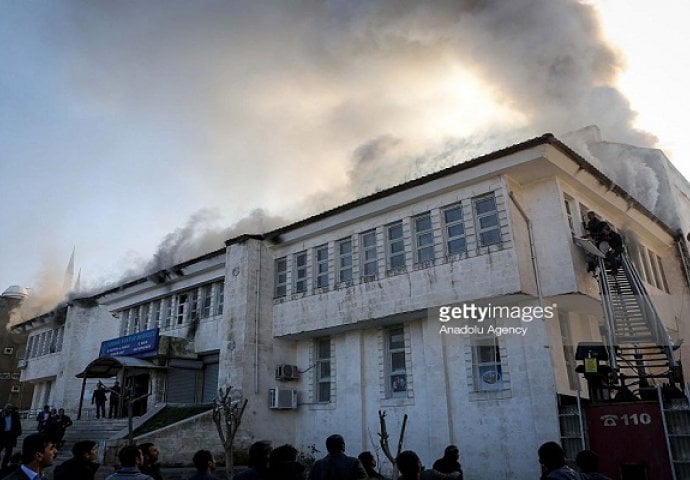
x: 140, y: 462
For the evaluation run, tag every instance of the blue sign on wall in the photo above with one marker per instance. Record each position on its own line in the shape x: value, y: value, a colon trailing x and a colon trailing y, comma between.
x: 135, y: 344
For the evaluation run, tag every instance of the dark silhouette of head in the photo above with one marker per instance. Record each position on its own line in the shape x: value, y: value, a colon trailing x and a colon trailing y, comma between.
x: 130, y: 456
x: 203, y: 461
x: 335, y: 444
x: 259, y: 453
x: 452, y: 452
x: 551, y: 455
x: 408, y: 463
x: 368, y: 460
x: 587, y: 461
x: 83, y: 448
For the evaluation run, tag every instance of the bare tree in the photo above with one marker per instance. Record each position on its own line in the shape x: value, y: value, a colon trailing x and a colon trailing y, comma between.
x: 383, y: 440
x: 227, y: 415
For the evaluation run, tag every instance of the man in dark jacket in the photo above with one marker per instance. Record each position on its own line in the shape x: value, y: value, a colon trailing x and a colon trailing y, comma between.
x: 552, y: 460
x: 408, y: 465
x: 99, y: 398
x: 38, y: 453
x: 588, y: 463
x: 611, y: 245
x: 150, y: 465
x: 9, y: 431
x: 336, y: 465
x: 82, y: 466
x: 205, y: 465
x: 449, y: 462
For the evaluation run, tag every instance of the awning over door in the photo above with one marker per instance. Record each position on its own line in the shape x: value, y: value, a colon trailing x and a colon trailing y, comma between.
x: 106, y: 367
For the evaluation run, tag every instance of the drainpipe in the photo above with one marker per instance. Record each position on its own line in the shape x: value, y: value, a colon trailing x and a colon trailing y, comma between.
x: 535, y: 263
x: 256, y: 321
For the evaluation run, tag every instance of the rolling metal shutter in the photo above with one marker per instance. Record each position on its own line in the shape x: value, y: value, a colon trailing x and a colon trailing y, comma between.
x: 210, y: 389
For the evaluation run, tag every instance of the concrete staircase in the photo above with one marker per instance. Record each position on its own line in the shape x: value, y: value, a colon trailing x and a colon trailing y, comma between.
x: 97, y: 430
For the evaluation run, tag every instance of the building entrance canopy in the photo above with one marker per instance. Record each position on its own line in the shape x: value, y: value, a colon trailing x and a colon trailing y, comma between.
x: 120, y: 366
x: 106, y: 367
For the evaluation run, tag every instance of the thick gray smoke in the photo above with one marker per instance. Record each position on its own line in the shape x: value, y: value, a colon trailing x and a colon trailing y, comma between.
x: 301, y: 106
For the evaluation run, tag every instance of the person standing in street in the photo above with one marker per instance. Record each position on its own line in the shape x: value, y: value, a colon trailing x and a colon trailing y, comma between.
x: 115, y: 392
x: 11, y: 429
x: 150, y: 465
x: 82, y: 465
x: 38, y: 453
x: 99, y: 398
x: 336, y: 464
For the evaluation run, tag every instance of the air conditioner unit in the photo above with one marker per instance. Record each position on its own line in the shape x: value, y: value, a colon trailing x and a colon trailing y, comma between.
x: 21, y: 364
x: 282, y: 398
x: 287, y: 372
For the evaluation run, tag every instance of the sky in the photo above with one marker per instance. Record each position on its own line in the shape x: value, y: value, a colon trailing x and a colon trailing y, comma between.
x: 141, y: 134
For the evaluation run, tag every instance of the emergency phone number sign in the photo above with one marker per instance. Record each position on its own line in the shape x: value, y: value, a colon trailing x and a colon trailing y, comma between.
x: 135, y: 344
x: 632, y: 435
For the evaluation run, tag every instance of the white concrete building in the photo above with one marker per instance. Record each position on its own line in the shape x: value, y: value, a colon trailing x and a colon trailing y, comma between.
x: 342, y: 312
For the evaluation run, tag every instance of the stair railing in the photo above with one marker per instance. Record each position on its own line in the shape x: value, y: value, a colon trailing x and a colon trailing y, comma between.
x: 608, y: 315
x: 650, y: 312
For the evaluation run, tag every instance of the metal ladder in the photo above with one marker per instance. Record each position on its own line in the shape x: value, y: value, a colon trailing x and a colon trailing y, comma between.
x: 640, y: 349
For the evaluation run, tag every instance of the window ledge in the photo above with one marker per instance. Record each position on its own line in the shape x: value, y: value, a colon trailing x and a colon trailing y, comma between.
x: 396, y: 271
x: 480, y: 396
x: 397, y: 402
x: 321, y: 406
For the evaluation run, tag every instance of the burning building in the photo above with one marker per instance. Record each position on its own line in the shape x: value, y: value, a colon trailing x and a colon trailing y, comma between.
x: 324, y: 322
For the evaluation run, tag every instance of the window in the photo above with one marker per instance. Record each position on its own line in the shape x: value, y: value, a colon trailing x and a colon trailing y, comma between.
x: 396, y: 371
x: 486, y: 215
x: 135, y: 320
x: 168, y: 310
x: 194, y: 305
x: 300, y: 272
x: 8, y: 350
x: 321, y: 267
x: 5, y: 376
x: 156, y: 314
x: 369, y: 260
x: 15, y: 376
x: 424, y: 239
x: 662, y: 274
x: 182, y: 299
x: 396, y: 246
x: 345, y: 260
x: 322, y: 384
x: 31, y: 348
x: 145, y: 316
x: 486, y: 364
x: 206, y: 300
x: 644, y: 259
x: 570, y: 214
x: 14, y: 389
x: 280, y: 277
x: 455, y: 230
x: 220, y: 297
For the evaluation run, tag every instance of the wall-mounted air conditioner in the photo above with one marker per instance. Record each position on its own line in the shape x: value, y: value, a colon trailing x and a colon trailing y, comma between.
x: 287, y: 372
x: 282, y: 398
